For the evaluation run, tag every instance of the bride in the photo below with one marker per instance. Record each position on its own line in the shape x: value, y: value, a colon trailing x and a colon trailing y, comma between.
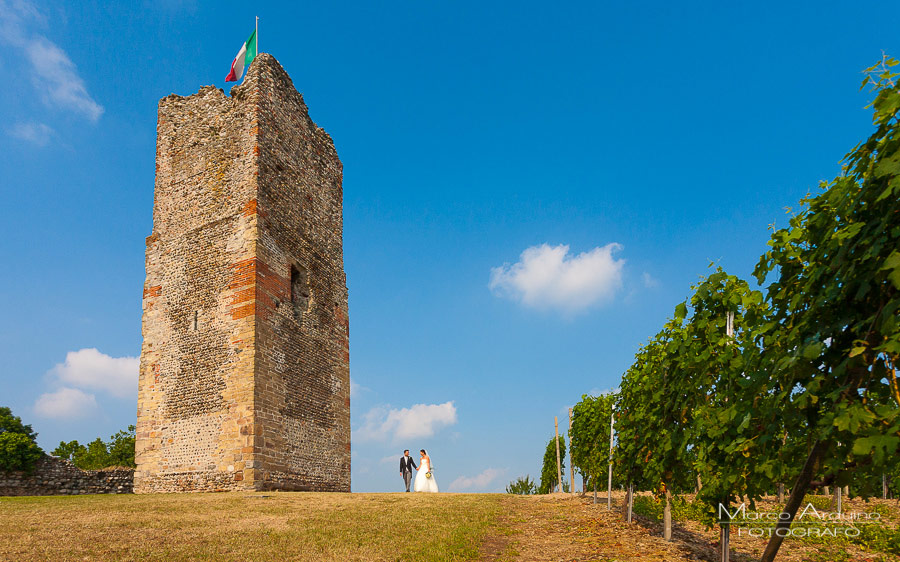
x: 425, y: 481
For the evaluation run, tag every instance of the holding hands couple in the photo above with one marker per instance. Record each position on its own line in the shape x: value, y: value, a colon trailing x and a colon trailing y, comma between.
x: 425, y: 481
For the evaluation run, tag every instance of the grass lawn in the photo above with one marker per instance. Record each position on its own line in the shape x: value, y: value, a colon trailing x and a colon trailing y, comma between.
x: 235, y: 526
x: 285, y: 527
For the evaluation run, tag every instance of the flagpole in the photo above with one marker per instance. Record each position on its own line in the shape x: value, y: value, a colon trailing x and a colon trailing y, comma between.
x: 257, y: 37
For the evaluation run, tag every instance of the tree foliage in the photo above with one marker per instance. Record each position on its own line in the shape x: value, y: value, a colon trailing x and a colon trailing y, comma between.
x: 13, y: 424
x: 118, y: 451
x: 549, y: 478
x: 18, y: 443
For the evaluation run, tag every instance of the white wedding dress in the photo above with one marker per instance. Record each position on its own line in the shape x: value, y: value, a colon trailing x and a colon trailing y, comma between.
x: 424, y: 484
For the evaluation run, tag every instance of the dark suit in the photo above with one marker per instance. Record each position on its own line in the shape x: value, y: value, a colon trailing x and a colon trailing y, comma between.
x: 406, y: 468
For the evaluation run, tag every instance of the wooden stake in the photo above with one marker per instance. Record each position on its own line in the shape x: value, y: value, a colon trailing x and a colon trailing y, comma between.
x: 558, y: 466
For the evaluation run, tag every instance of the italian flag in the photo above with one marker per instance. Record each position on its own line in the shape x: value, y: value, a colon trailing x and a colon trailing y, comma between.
x: 243, y: 59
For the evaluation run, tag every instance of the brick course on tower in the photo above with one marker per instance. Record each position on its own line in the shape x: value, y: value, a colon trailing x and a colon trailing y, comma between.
x: 245, y: 365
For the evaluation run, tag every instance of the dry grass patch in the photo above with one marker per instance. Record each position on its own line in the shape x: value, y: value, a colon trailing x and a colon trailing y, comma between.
x: 282, y: 526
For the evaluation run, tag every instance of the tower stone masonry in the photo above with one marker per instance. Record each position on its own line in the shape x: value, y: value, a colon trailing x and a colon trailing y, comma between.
x: 245, y: 366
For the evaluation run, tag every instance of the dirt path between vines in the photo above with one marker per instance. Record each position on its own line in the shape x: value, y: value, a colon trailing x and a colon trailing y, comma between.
x: 558, y: 527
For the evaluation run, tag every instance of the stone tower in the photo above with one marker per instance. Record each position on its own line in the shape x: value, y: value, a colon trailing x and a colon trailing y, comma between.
x: 245, y: 365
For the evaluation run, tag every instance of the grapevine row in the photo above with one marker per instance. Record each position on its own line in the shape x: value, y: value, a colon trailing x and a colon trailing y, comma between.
x: 795, y: 384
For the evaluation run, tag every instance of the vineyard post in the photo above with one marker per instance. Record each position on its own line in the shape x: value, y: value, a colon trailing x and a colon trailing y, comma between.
x: 725, y: 526
x: 837, y: 499
x: 609, y: 481
x: 571, y: 465
x: 883, y: 486
x: 667, y: 515
x: 630, y: 501
x: 724, y: 539
x: 558, y: 467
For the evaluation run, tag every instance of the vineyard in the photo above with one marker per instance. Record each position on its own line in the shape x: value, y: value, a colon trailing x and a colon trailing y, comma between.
x: 745, y: 394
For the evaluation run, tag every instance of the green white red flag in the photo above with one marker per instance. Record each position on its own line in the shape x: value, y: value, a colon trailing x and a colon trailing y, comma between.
x: 243, y: 59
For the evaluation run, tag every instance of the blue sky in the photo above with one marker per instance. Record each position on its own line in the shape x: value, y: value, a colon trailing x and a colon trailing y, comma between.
x: 529, y: 190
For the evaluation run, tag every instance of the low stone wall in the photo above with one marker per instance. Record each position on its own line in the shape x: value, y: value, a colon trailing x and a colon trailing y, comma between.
x: 53, y: 476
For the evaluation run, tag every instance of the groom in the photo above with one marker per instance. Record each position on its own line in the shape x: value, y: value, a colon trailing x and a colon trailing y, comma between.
x: 406, y: 467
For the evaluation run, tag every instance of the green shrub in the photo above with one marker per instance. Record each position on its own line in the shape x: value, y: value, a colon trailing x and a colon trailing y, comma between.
x: 648, y: 506
x: 682, y: 510
x: 880, y: 536
x: 522, y: 485
x: 822, y: 503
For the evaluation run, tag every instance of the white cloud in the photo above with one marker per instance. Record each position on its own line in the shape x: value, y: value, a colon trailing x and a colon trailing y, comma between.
x: 88, y: 368
x: 421, y: 420
x: 357, y: 389
x: 597, y: 391
x: 56, y: 76
x: 15, y: 16
x: 65, y: 403
x: 548, y: 277
x: 35, y: 133
x: 478, y: 482
x: 649, y: 281
x: 52, y: 72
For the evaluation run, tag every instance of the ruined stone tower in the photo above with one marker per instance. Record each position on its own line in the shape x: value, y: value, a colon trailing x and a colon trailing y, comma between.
x: 245, y: 373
